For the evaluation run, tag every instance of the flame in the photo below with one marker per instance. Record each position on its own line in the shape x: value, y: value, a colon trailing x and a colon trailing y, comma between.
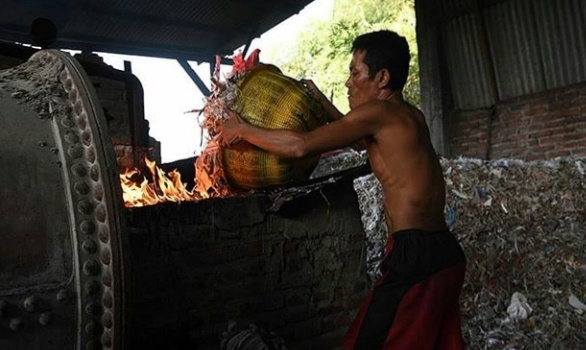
x: 138, y: 191
x: 210, y: 180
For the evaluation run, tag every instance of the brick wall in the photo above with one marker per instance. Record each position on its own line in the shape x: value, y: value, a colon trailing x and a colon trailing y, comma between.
x: 540, y: 126
x: 299, y: 272
x: 117, y: 91
x: 121, y: 96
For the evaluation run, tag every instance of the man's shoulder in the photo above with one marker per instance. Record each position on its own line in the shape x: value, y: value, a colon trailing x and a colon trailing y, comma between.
x: 391, y: 114
x: 375, y: 108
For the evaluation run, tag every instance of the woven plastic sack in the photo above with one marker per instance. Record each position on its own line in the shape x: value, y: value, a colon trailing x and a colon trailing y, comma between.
x: 269, y: 99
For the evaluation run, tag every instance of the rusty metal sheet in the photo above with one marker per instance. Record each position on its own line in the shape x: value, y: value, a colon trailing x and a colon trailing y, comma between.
x: 466, y: 64
x: 561, y: 26
x: 498, y: 50
x: 514, y: 44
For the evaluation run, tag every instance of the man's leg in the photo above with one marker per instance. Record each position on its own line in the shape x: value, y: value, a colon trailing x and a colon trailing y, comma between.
x: 415, y: 297
x: 424, y: 316
x: 428, y: 317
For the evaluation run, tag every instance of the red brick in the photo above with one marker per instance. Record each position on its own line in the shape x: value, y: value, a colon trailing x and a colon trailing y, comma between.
x: 556, y: 123
x: 535, y: 111
x: 557, y: 153
x: 581, y: 152
x: 557, y: 139
x: 580, y: 100
x: 567, y: 96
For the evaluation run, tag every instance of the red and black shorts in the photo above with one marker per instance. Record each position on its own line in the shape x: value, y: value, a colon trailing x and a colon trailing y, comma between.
x: 415, y: 304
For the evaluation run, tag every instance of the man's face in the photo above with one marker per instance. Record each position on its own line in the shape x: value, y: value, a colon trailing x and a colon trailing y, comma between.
x: 361, y: 88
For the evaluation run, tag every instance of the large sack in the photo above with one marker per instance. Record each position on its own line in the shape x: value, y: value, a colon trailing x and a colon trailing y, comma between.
x: 271, y: 100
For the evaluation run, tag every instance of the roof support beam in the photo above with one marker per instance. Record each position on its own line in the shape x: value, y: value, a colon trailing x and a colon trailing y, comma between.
x: 196, y: 79
x: 435, y: 101
x: 247, y: 47
x: 157, y: 20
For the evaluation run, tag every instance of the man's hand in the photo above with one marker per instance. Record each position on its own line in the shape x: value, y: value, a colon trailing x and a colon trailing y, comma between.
x: 332, y: 112
x: 312, y: 88
x: 230, y: 130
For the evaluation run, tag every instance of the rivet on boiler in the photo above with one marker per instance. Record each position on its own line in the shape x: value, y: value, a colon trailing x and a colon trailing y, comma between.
x: 89, y: 246
x: 79, y: 170
x: 87, y: 227
x: 99, y: 192
x: 101, y: 213
x: 107, y: 299
x: 90, y: 328
x: 64, y: 78
x: 77, y: 107
x: 82, y: 121
x: 91, y: 287
x: 104, y: 234
x: 93, y: 308
x: 73, y: 94
x: 81, y: 187
x: 75, y: 151
x: 91, y: 267
x: 16, y: 324
x: 92, y: 345
x: 107, y: 319
x: 86, y: 138
x: 31, y: 303
x: 63, y: 296
x: 106, y: 339
x: 67, y: 122
x: 95, y: 172
x: 90, y: 155
x: 107, y: 279
x: 44, y: 318
x: 70, y: 137
x: 85, y: 207
x: 106, y: 256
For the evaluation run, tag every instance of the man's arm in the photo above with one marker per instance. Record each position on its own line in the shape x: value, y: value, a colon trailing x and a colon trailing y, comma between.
x: 359, y: 123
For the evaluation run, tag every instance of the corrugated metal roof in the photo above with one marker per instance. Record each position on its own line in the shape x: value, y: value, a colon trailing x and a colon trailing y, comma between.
x: 185, y: 29
x: 523, y: 46
x: 562, y: 24
x: 453, y: 8
x: 512, y: 30
x: 468, y: 67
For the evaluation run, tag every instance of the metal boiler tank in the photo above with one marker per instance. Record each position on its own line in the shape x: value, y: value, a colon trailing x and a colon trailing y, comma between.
x: 59, y: 225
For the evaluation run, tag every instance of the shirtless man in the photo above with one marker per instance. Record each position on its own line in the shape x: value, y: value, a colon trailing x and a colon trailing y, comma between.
x: 414, y: 305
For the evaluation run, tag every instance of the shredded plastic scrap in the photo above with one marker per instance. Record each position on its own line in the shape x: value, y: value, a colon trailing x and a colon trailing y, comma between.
x: 523, y: 228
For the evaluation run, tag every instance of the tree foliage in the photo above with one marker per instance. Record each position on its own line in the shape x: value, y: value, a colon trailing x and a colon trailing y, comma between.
x: 322, y: 51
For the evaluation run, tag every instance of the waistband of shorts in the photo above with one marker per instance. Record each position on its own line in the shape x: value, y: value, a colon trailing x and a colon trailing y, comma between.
x: 420, y: 232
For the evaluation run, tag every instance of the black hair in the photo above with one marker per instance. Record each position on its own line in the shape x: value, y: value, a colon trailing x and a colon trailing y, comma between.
x: 385, y: 50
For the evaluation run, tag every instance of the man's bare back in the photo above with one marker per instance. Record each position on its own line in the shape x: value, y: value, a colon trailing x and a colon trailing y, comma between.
x: 403, y: 159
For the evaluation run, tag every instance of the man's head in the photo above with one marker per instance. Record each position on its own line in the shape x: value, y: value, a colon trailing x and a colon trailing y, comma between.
x: 385, y: 50
x: 380, y: 64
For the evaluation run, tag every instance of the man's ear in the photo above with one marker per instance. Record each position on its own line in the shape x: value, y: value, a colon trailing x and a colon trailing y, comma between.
x: 383, y: 78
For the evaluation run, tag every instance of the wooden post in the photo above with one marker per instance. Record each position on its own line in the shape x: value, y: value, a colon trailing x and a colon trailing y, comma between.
x: 435, y: 92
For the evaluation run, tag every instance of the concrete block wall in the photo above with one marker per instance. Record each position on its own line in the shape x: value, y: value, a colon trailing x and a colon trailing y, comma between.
x: 299, y: 272
x: 539, y: 126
